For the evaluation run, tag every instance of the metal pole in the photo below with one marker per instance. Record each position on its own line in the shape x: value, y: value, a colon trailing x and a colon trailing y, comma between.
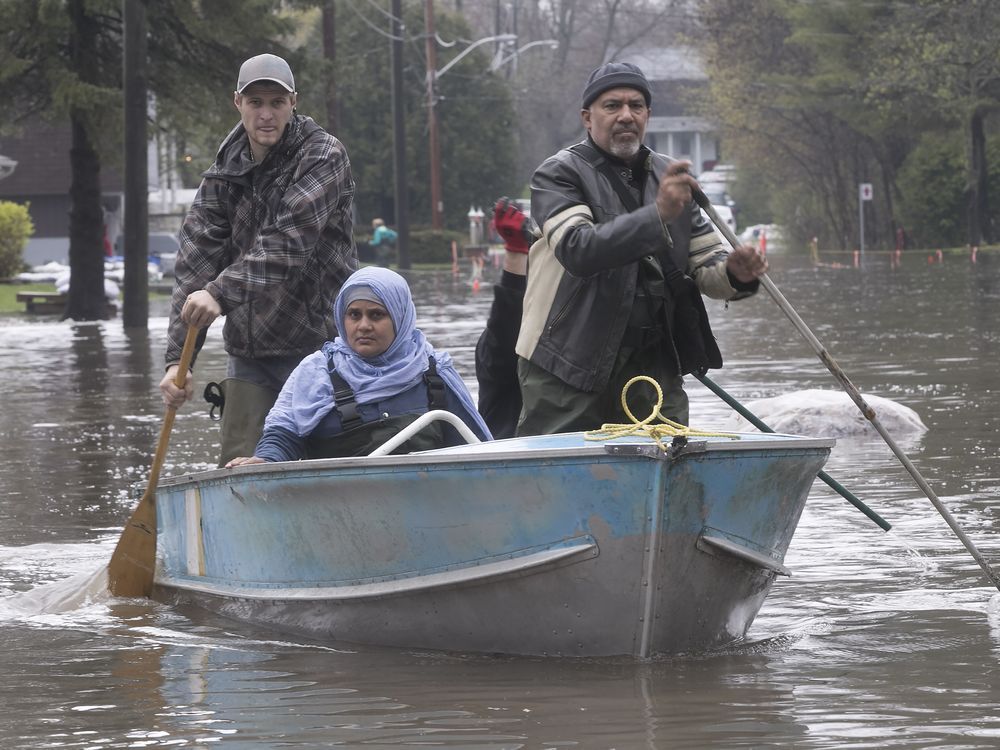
x: 852, y: 391
x: 756, y: 422
x: 861, y: 223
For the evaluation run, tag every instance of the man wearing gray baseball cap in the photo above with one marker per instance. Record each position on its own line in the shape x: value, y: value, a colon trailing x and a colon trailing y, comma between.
x: 267, y: 244
x: 266, y: 67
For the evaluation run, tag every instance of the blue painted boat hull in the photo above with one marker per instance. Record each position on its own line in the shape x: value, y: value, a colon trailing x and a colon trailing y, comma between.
x: 550, y: 545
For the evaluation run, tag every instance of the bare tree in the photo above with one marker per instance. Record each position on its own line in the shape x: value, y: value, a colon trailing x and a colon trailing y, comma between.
x: 548, y: 83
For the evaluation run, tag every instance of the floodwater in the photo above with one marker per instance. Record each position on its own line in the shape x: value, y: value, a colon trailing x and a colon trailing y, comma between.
x: 877, y: 640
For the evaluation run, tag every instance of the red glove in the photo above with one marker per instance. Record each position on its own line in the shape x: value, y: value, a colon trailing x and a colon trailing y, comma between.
x: 512, y: 225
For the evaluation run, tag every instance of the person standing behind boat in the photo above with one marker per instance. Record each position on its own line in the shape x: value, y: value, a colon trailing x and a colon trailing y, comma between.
x: 496, y: 364
x: 267, y: 243
x: 363, y: 387
x: 615, y: 283
x: 383, y: 242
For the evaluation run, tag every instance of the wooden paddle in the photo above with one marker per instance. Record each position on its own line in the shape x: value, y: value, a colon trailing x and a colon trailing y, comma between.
x: 130, y: 572
x: 869, y: 413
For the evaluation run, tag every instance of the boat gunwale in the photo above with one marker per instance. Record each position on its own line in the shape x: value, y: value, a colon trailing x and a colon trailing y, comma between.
x: 494, y: 451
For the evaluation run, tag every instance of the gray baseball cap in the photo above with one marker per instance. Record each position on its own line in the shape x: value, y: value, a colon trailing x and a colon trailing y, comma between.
x: 265, y: 67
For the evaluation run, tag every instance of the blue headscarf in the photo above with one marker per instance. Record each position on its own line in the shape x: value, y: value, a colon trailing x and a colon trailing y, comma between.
x: 308, y: 394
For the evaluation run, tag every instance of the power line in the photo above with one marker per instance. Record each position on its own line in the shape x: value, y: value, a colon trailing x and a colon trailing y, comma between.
x: 373, y: 26
x: 384, y: 12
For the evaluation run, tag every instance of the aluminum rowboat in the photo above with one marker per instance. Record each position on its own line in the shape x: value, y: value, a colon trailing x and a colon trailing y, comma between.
x: 549, y: 545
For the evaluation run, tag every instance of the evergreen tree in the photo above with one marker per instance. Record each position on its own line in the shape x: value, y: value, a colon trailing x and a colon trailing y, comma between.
x: 62, y: 61
x: 818, y: 97
x: 941, y: 57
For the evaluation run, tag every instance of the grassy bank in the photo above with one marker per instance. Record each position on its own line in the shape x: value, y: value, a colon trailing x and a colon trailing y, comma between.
x: 8, y: 296
x: 10, y: 306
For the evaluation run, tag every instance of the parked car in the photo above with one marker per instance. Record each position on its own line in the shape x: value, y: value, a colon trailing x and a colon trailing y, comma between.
x: 721, y: 173
x: 715, y: 184
x: 163, y: 248
x: 725, y: 213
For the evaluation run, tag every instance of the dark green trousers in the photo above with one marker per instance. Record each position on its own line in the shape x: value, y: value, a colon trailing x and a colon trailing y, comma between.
x: 551, y: 406
x: 251, y: 387
x: 247, y: 405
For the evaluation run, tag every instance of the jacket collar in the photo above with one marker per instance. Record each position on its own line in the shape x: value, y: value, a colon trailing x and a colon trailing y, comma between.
x: 233, y: 158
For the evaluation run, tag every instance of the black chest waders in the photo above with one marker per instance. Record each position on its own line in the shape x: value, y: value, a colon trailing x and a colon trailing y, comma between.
x: 359, y: 437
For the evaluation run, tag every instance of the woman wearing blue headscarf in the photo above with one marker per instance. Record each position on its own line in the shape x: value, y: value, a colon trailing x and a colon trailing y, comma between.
x: 360, y: 389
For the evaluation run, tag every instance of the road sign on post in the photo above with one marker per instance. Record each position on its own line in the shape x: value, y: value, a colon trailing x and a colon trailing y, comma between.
x: 864, y: 194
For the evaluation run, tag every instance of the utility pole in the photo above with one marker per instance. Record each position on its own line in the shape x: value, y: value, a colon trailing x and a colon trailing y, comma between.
x: 437, y: 207
x: 514, y: 30
x: 135, y: 235
x: 433, y: 75
x: 330, y: 55
x: 399, y: 139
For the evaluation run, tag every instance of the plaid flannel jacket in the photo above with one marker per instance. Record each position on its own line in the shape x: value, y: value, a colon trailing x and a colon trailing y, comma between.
x: 272, y: 242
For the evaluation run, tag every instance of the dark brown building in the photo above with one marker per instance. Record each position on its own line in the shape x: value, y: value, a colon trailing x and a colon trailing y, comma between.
x: 42, y: 179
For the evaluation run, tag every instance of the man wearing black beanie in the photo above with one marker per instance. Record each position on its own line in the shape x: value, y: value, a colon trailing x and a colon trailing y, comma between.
x: 615, y: 282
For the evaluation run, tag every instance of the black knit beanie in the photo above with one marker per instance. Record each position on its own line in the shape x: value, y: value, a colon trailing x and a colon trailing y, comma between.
x: 613, y: 75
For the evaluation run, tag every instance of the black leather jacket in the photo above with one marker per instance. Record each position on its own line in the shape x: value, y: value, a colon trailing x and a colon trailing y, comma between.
x: 583, y: 272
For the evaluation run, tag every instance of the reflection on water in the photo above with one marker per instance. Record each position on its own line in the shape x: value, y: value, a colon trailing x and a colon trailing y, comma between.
x: 887, y: 640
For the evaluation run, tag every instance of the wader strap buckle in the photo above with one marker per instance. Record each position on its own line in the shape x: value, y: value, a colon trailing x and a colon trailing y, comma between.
x: 215, y: 396
x: 436, y: 398
x: 344, y: 403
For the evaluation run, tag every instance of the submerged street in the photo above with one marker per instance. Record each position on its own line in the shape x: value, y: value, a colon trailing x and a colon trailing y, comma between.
x: 877, y: 639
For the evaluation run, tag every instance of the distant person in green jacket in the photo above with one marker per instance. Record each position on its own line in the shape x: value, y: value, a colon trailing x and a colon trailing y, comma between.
x: 383, y: 242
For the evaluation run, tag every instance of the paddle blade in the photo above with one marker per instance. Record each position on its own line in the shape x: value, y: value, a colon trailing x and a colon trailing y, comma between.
x: 130, y: 572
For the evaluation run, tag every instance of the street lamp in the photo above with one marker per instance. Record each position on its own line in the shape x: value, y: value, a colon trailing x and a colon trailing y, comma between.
x: 499, y: 38
x: 7, y: 166
x: 437, y: 206
x: 499, y: 62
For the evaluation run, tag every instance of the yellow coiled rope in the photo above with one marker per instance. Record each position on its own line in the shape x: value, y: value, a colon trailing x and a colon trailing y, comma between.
x: 664, y: 428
